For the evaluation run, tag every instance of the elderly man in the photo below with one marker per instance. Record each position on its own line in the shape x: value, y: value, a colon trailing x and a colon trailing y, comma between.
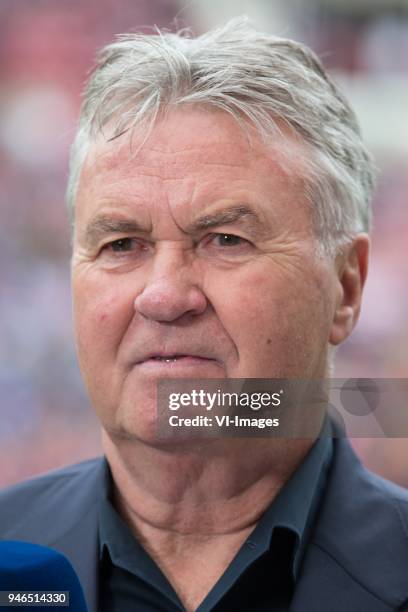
x: 220, y: 199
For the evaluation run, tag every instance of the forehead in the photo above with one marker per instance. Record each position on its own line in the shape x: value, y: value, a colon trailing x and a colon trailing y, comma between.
x: 191, y: 152
x: 194, y: 133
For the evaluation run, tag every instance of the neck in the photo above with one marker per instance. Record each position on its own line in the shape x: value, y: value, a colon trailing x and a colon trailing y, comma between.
x: 206, y: 490
x: 193, y: 506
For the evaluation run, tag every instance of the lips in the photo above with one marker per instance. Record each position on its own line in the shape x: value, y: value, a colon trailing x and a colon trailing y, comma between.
x: 168, y: 358
x: 176, y: 364
x: 172, y: 357
x: 173, y: 360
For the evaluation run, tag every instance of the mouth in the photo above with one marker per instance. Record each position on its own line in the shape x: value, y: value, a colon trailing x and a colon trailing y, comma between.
x: 173, y: 361
x: 169, y: 358
x: 174, y: 358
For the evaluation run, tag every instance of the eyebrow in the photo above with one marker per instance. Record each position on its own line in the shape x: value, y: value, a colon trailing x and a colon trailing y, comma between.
x: 104, y: 225
x: 225, y: 217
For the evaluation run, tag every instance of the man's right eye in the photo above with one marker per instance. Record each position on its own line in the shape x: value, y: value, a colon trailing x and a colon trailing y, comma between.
x: 124, y: 249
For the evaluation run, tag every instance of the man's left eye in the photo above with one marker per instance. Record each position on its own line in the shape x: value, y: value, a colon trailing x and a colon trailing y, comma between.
x: 229, y: 240
x: 121, y: 245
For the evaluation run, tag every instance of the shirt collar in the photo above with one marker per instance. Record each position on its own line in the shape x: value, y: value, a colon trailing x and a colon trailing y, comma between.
x: 296, y: 505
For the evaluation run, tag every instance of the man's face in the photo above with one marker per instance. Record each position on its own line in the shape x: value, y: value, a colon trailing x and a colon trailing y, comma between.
x: 194, y: 258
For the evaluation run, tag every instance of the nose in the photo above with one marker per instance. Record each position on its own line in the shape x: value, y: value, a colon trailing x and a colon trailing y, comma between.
x: 172, y: 289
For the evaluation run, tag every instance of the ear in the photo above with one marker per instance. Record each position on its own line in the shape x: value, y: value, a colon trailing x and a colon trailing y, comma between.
x: 351, y: 265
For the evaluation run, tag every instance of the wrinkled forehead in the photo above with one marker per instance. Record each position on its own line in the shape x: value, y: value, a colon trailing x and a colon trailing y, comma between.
x: 189, y: 140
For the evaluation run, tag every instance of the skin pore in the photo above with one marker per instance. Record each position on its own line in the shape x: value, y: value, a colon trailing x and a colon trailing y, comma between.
x: 200, y: 245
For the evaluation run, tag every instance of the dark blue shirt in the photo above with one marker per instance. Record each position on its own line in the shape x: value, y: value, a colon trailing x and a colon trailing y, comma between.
x: 260, y: 578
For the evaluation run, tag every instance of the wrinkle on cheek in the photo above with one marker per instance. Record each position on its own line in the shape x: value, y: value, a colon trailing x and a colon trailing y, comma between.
x: 281, y: 260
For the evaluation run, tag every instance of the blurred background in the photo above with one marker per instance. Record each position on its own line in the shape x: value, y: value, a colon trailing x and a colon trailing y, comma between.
x: 47, y: 48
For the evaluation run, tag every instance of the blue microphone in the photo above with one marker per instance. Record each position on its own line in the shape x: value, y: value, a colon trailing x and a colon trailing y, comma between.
x: 34, y: 577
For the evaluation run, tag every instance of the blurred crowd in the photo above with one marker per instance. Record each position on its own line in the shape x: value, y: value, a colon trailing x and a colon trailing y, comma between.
x: 46, y: 50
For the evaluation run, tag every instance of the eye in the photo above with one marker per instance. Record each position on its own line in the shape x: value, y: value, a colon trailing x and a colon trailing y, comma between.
x: 228, y: 240
x: 121, y: 245
x: 124, y: 247
x: 223, y: 246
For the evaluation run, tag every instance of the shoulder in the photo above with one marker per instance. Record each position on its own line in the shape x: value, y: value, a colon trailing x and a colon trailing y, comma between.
x: 60, y: 493
x: 357, y: 490
x: 50, y: 482
x: 363, y: 525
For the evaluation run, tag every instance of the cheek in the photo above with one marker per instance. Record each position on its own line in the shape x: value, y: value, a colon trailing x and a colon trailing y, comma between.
x: 101, y: 314
x: 275, y: 320
x: 245, y: 305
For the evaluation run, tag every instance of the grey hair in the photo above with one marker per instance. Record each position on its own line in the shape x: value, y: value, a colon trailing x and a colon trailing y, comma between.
x: 259, y: 79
